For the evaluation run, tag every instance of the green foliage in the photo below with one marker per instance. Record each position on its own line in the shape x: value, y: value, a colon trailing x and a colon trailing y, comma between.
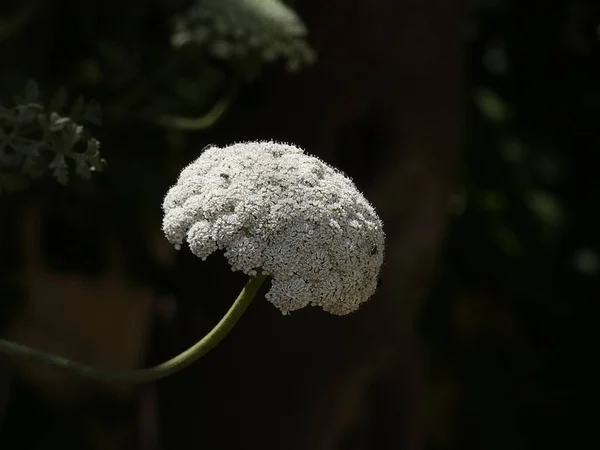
x: 35, y: 139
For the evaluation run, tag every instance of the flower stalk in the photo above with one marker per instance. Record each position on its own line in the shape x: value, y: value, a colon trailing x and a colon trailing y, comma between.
x: 162, y: 370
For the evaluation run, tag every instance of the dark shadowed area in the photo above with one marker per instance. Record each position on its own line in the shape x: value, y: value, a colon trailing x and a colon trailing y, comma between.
x: 469, y: 126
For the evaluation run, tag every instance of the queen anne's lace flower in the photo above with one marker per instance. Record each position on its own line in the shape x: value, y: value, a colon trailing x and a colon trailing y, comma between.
x: 270, y: 206
x: 234, y: 29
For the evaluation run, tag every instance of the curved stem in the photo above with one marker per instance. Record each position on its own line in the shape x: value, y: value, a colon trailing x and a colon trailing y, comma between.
x: 205, y: 121
x: 163, y: 370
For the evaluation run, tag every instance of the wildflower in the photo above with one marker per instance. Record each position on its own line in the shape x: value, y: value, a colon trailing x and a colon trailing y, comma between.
x: 234, y: 29
x: 270, y: 206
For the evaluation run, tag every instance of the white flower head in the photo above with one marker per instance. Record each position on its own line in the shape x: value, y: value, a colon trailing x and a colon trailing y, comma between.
x: 233, y: 29
x: 270, y: 206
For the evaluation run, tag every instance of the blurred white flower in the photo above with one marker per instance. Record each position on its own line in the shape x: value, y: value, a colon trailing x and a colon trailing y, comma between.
x: 587, y: 261
x: 231, y: 29
x: 270, y: 206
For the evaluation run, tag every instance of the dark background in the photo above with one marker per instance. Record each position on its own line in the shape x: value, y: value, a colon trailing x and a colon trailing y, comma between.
x: 471, y: 126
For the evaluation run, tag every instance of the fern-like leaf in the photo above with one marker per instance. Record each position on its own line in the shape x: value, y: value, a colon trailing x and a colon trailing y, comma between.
x: 35, y: 139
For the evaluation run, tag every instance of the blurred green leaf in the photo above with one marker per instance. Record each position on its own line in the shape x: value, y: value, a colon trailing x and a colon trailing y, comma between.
x: 491, y: 105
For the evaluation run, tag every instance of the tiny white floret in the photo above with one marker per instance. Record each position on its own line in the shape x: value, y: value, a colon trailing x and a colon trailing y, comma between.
x: 270, y: 206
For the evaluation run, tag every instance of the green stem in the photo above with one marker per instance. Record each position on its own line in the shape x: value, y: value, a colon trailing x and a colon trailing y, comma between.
x: 201, y: 122
x: 163, y: 370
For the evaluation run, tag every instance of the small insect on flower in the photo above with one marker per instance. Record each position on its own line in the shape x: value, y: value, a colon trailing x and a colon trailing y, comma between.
x: 297, y: 219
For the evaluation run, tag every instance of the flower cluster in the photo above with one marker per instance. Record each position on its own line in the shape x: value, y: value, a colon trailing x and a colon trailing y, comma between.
x: 270, y: 206
x: 234, y: 29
